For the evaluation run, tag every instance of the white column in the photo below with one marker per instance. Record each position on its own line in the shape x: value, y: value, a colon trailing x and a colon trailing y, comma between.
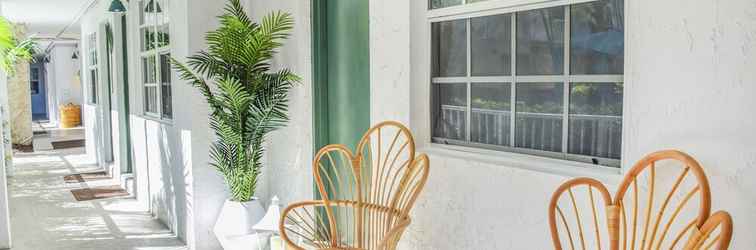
x: 5, y: 161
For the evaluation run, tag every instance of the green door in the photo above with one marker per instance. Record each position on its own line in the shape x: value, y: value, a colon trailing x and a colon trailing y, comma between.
x: 341, y: 79
x: 342, y: 71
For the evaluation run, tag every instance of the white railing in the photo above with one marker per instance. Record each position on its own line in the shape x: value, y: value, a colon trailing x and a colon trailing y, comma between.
x: 592, y: 135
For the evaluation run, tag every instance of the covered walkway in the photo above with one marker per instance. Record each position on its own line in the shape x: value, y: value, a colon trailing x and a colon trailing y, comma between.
x: 44, y: 213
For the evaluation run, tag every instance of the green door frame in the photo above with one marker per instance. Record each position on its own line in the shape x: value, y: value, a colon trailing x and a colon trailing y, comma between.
x: 341, y: 79
x: 320, y: 75
x: 124, y: 118
x: 117, y: 30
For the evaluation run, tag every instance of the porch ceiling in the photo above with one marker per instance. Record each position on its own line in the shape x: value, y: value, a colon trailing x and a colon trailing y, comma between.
x: 44, y: 18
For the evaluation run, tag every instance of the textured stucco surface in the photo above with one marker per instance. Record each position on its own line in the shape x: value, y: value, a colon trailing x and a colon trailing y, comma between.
x: 689, y: 81
x: 19, y: 100
x: 390, y: 66
x: 287, y: 171
x: 172, y: 176
x: 689, y: 76
x: 5, y: 163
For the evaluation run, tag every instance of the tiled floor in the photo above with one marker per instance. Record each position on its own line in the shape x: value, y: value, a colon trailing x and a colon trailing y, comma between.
x: 45, y: 216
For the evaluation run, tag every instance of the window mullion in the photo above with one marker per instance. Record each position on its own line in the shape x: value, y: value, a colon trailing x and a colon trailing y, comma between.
x: 566, y: 89
x: 468, y: 118
x: 158, y: 72
x: 513, y: 72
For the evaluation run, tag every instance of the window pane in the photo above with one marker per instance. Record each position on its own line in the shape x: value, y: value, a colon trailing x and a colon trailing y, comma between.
x: 34, y: 74
x: 435, y: 4
x: 450, y: 48
x: 147, y: 38
x: 490, y: 118
x: 150, y: 99
x: 164, y: 37
x: 34, y: 87
x: 93, y: 49
x: 163, y: 19
x: 161, y: 7
x: 166, y: 101
x: 148, y: 70
x: 597, y: 39
x: 148, y: 10
x: 165, y: 79
x: 491, y: 45
x: 450, y: 116
x: 596, y: 119
x: 141, y: 12
x: 539, y: 116
x: 540, y: 42
x: 93, y: 85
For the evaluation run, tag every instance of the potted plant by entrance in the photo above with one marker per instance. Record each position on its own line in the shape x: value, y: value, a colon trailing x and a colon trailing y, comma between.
x: 247, y: 100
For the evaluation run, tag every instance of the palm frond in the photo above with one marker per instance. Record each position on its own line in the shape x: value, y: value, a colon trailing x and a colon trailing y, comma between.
x: 13, y: 52
x: 247, y: 100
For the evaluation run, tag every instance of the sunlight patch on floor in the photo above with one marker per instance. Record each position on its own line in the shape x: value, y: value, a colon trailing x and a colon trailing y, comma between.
x: 45, y: 215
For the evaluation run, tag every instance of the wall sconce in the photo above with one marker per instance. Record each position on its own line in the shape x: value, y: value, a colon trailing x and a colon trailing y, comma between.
x: 116, y: 6
x: 153, y: 7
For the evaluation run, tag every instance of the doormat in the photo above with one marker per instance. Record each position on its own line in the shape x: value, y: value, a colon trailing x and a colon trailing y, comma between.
x: 68, y: 144
x: 83, y: 177
x: 23, y: 148
x: 88, y: 194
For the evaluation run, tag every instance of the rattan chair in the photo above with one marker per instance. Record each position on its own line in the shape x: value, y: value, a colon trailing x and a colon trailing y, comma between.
x: 647, y: 212
x: 365, y: 196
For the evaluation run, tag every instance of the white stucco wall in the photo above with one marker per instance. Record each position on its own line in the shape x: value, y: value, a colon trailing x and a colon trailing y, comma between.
x: 5, y: 236
x: 688, y: 69
x: 390, y: 65
x: 63, y: 86
x: 289, y: 150
x: 170, y: 158
x: 688, y: 80
x: 689, y: 77
x: 5, y: 233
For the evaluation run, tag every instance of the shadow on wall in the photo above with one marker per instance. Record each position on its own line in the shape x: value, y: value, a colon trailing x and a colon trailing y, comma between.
x: 160, y: 152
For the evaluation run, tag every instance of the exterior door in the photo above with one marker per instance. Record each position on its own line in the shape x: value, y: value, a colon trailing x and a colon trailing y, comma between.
x: 342, y: 73
x: 38, y: 90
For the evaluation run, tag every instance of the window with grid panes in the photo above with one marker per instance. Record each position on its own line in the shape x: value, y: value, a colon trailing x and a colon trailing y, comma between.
x: 154, y: 37
x: 545, y: 81
x: 92, y: 69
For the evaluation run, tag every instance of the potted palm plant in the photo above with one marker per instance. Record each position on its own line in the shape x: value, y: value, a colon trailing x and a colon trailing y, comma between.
x: 247, y: 100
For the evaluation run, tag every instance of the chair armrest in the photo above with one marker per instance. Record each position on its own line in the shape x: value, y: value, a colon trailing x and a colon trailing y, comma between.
x: 334, y: 224
x: 300, y: 220
x: 720, y: 224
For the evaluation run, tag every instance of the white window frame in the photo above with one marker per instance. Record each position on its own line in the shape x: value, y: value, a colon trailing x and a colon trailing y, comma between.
x: 92, y: 65
x: 496, y: 7
x: 155, y: 53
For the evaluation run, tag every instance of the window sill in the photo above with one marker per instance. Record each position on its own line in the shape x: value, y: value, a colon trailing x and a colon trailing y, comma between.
x: 154, y: 118
x: 609, y: 176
